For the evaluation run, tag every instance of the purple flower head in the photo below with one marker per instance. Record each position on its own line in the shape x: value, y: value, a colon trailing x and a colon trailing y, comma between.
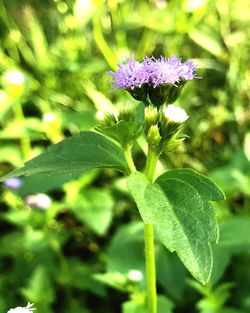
x: 163, y: 71
x: 13, y: 183
x: 130, y: 75
x: 158, y: 80
x: 187, y: 70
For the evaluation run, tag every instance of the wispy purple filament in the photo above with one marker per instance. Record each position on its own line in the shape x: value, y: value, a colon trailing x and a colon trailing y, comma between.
x: 130, y: 75
x: 152, y: 71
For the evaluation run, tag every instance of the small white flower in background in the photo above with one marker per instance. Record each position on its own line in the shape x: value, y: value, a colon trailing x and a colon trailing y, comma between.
x: 49, y: 117
x: 135, y: 275
x: 27, y: 309
x: 38, y: 201
x: 14, y: 77
x: 175, y: 114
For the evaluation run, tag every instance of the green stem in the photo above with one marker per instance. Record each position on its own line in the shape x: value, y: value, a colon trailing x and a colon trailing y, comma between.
x: 129, y: 159
x: 150, y: 267
x: 151, y: 163
x: 25, y: 141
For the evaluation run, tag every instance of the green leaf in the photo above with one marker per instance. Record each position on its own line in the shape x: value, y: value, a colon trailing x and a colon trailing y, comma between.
x: 79, y: 275
x: 164, y: 305
x: 222, y: 259
x: 178, y: 205
x: 138, y: 305
x: 39, y: 289
x: 171, y: 273
x: 75, y: 154
x: 11, y: 154
x: 16, y: 129
x: 231, y: 310
x: 234, y: 178
x: 75, y: 120
x: 208, y: 40
x: 134, y: 306
x: 126, y: 248
x: 94, y: 208
x: 247, y: 145
x: 215, y: 301
x: 235, y: 234
x: 113, y: 279
x: 74, y: 306
x: 42, y: 183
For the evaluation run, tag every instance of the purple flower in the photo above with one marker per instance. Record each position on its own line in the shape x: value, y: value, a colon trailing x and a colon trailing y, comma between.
x: 130, y: 75
x: 163, y: 71
x: 187, y: 70
x: 152, y: 71
x: 13, y: 183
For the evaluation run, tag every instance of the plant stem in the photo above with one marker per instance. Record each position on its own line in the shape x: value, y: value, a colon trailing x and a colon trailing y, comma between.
x: 150, y: 267
x: 151, y: 162
x: 25, y: 141
x: 129, y: 159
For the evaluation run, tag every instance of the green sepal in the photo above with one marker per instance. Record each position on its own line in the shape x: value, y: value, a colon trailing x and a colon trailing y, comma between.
x: 174, y: 142
x: 158, y: 95
x: 139, y: 93
x: 123, y: 132
x: 175, y: 92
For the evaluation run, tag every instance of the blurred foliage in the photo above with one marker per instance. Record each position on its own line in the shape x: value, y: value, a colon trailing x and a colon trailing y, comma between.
x: 83, y: 254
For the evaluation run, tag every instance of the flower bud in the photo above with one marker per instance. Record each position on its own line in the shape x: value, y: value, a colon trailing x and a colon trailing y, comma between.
x: 153, y: 137
x: 122, y: 126
x: 173, y: 142
x: 171, y: 119
x: 126, y: 113
x: 151, y: 116
x: 106, y: 119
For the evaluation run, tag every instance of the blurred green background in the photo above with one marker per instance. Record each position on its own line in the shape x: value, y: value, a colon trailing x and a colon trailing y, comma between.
x: 84, y: 251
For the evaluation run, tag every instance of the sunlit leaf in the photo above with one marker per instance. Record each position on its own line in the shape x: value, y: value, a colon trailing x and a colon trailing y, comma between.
x: 74, y: 155
x: 178, y: 205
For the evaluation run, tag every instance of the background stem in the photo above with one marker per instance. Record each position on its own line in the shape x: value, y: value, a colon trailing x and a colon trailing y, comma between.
x: 25, y: 141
